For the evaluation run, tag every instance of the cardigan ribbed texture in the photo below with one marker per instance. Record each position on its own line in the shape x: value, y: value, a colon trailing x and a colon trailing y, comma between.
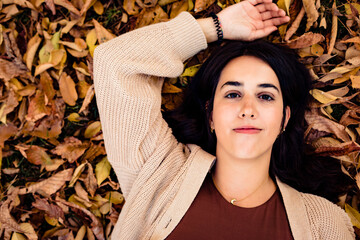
x: 158, y: 176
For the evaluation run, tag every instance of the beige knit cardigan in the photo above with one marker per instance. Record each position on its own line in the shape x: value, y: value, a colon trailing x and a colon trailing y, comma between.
x: 159, y: 176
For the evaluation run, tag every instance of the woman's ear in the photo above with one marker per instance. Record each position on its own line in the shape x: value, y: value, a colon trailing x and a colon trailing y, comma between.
x: 287, y: 116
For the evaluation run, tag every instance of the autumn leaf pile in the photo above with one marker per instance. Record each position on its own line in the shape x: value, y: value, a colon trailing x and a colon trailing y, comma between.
x: 56, y: 182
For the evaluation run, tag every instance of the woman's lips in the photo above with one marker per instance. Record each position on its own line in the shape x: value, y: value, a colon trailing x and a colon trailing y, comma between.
x: 247, y: 130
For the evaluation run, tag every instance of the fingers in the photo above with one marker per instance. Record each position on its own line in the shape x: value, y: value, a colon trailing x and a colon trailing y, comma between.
x: 254, y: 2
x: 276, y: 21
x: 267, y: 7
x: 264, y: 32
x: 272, y: 14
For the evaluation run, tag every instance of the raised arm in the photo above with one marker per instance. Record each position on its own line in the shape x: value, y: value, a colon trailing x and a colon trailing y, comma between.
x: 128, y: 77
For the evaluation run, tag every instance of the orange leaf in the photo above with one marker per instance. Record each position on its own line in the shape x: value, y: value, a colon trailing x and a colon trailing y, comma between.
x: 67, y: 89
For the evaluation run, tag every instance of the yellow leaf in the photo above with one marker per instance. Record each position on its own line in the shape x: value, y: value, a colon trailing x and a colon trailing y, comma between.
x: 102, y: 34
x: 68, y: 5
x: 55, y: 40
x: 81, y: 233
x: 353, y: 214
x: 56, y: 56
x: 321, y: 96
x: 169, y: 88
x: 285, y: 5
x: 102, y: 170
x: 191, y: 71
x: 92, y: 129
x: 347, y: 74
x: 76, y: 174
x: 51, y: 221
x: 33, y: 45
x: 316, y: 49
x: 28, y: 230
x: 355, y: 81
x: 91, y: 41
x: 114, y: 197
x: 74, y: 117
x: 348, y: 9
x: 67, y: 89
x: 18, y: 236
x: 1, y: 34
x: 105, y: 208
x: 82, y: 67
x: 72, y: 45
x: 98, y: 7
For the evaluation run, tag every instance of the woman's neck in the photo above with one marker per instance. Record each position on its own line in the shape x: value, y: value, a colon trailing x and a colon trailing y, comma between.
x: 246, y: 181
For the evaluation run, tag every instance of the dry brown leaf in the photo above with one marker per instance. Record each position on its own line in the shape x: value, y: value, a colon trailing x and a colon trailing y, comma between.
x: 321, y: 123
x: 80, y: 192
x: 349, y: 117
x: 334, y: 29
x: 295, y: 25
x: 71, y: 149
x: 146, y: 3
x: 37, y: 107
x: 86, y: 6
x: 130, y: 7
x: 49, y: 186
x: 151, y: 15
x: 6, y: 220
x: 90, y: 180
x: 7, y: 131
x: 46, y: 84
x: 201, y: 5
x: 88, y: 98
x: 102, y: 34
x: 68, y: 5
x: 96, y: 225
x: 11, y: 102
x: 311, y: 12
x: 9, y: 70
x: 33, y: 45
x: 67, y: 89
x: 305, y: 40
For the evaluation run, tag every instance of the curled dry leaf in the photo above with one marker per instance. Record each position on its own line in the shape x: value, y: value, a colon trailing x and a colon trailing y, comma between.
x: 295, y: 25
x: 102, y: 34
x: 9, y: 70
x: 305, y: 40
x: 6, y: 220
x: 88, y: 98
x: 130, y: 7
x: 67, y: 89
x: 334, y: 29
x: 90, y: 180
x: 7, y: 131
x: 146, y: 3
x: 151, y: 15
x: 96, y: 225
x: 71, y: 149
x: 49, y: 186
x: 37, y: 107
x: 68, y: 5
x: 51, y: 210
x: 102, y: 170
x: 311, y: 12
x: 33, y: 45
x: 321, y: 123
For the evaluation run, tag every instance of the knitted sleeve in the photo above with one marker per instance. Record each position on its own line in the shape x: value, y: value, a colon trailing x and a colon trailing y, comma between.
x: 328, y: 221
x: 128, y: 77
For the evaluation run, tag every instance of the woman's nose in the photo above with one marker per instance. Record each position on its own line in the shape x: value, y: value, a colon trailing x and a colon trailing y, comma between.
x: 248, y: 108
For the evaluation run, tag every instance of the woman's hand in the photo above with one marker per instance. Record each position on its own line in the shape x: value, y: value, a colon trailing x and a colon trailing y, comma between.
x: 247, y: 20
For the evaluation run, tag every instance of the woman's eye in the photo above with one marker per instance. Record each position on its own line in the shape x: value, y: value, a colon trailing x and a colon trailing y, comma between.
x: 266, y: 97
x: 232, y: 95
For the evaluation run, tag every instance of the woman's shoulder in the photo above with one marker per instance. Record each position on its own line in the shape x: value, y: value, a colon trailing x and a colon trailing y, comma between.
x: 327, y: 217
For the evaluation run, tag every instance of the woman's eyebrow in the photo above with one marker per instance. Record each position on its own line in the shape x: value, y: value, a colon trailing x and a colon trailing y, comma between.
x: 268, y: 85
x: 239, y: 84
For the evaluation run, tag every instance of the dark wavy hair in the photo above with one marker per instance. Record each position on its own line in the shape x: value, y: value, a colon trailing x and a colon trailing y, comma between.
x: 190, y: 121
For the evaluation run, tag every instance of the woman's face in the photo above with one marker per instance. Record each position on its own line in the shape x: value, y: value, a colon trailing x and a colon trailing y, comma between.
x: 248, y: 109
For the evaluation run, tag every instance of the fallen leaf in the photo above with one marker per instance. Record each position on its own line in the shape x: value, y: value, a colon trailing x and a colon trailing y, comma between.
x: 305, y: 40
x: 67, y: 89
x: 353, y: 214
x: 102, y: 170
x: 93, y: 129
x: 311, y: 12
x: 71, y: 149
x: 50, y: 185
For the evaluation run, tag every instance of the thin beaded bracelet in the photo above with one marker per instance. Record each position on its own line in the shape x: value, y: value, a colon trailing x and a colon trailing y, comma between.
x: 219, y: 30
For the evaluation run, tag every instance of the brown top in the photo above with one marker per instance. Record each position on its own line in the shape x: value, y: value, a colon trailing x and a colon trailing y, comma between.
x: 210, y: 216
